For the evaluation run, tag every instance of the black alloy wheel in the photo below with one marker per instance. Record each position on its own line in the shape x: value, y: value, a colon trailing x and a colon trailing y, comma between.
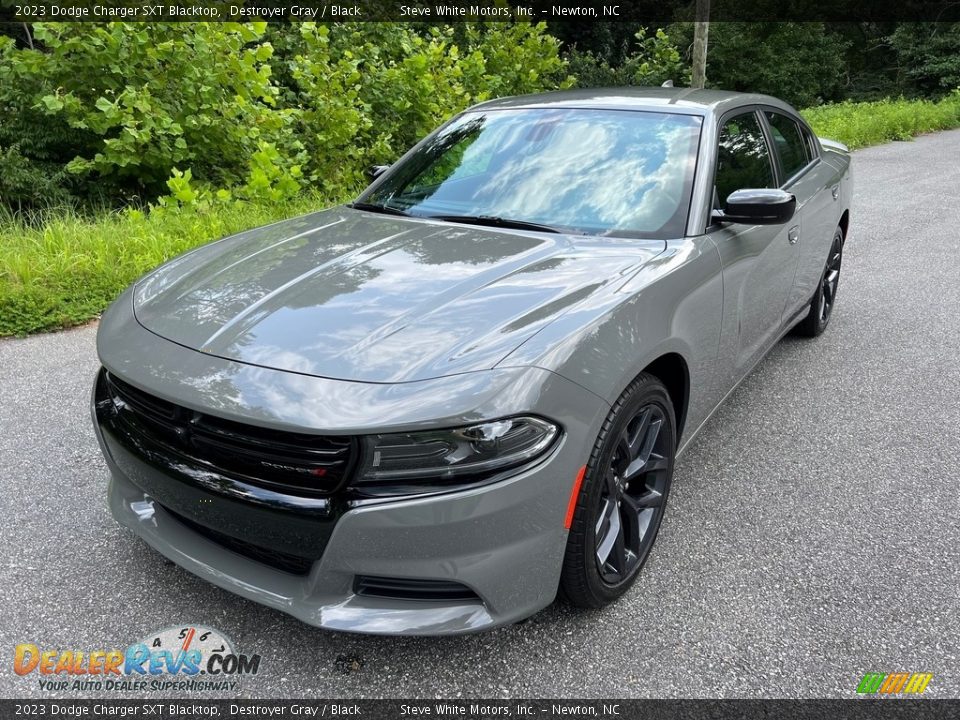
x: 825, y: 297
x: 631, y: 500
x: 623, y: 496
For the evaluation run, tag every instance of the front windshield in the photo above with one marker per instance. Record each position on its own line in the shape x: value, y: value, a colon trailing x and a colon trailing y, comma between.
x: 601, y: 172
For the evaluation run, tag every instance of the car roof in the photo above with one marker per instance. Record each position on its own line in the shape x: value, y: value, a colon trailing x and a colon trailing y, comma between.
x: 688, y: 101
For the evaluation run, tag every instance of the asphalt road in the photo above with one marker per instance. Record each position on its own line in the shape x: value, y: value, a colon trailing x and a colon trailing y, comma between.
x: 813, y: 532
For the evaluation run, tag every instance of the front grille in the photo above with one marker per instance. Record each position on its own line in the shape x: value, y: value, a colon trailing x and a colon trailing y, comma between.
x: 287, y: 462
x: 285, y: 562
x: 413, y: 589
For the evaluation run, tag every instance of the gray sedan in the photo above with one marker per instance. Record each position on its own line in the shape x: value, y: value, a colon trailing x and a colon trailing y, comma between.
x: 431, y: 410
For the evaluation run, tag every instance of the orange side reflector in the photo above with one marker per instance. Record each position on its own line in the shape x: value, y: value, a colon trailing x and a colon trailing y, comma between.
x: 572, y: 504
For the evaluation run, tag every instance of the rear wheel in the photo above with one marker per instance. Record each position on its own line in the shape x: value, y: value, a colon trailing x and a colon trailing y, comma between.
x: 825, y: 297
x: 623, y: 496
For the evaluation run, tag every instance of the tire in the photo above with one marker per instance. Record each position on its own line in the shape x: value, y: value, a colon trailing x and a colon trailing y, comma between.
x: 825, y: 297
x: 640, y: 428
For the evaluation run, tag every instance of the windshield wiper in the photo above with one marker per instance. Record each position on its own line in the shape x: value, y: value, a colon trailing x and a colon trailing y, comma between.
x: 494, y: 221
x: 374, y: 207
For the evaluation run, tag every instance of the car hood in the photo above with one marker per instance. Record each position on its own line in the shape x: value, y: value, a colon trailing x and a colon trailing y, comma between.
x: 359, y: 296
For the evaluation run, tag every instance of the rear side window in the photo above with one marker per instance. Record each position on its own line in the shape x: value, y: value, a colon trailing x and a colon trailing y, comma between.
x: 792, y: 146
x: 813, y: 145
x: 743, y: 158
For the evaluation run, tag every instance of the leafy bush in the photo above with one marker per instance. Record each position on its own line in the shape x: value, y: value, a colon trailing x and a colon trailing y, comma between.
x: 142, y: 104
x: 224, y: 127
x: 33, y: 148
x: 219, y: 127
x: 141, y: 99
x: 62, y: 268
x: 367, y: 92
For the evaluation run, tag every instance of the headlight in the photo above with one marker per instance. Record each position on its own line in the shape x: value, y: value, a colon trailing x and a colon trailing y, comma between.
x: 419, y: 462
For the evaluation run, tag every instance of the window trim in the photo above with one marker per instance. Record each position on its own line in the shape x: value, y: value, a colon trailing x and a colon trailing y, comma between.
x: 774, y: 160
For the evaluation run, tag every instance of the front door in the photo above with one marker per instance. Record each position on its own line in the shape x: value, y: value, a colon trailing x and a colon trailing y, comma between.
x: 759, y: 261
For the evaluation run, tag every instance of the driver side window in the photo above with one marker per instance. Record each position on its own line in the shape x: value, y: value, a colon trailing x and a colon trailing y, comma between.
x: 743, y: 158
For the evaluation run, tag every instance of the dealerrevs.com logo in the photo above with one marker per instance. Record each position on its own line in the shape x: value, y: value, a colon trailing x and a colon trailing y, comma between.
x: 188, y: 658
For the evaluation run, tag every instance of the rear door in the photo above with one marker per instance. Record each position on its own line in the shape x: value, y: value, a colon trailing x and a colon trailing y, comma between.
x: 759, y: 261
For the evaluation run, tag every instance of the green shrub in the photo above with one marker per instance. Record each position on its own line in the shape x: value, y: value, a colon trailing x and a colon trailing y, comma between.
x: 133, y: 105
x: 141, y: 99
x: 225, y: 127
x: 366, y: 92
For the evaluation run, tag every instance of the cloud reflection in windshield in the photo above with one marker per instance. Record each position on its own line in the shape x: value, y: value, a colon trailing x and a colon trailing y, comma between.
x: 599, y: 171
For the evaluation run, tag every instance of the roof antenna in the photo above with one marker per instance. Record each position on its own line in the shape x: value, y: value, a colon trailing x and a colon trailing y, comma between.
x: 667, y: 83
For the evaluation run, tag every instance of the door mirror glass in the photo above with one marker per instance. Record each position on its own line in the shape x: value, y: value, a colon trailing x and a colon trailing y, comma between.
x: 759, y: 206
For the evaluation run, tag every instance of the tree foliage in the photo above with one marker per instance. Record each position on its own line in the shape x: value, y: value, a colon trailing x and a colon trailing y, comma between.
x: 652, y: 60
x: 240, y: 110
x: 928, y: 56
x: 805, y: 63
x: 142, y: 99
x: 801, y: 63
x: 126, y: 113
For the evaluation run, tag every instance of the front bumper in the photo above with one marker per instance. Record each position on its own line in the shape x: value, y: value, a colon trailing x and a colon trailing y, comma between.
x: 503, y: 541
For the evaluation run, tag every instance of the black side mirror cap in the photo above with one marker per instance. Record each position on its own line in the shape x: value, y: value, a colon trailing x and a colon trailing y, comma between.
x: 760, y: 206
x: 375, y: 171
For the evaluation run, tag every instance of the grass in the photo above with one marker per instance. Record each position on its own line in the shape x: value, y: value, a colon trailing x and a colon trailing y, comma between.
x: 63, y: 269
x: 858, y: 125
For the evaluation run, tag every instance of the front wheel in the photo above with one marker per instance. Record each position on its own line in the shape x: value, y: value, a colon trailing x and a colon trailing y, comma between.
x: 622, y: 497
x: 825, y: 297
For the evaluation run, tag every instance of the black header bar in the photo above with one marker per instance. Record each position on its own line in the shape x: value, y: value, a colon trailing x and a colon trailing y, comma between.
x: 452, y: 11
x: 499, y: 709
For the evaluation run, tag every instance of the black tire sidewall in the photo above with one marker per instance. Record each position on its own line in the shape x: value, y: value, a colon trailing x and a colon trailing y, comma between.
x: 813, y: 325
x: 822, y: 323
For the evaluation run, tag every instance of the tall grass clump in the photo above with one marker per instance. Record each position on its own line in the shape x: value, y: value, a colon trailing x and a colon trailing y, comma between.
x: 60, y: 268
x: 871, y: 123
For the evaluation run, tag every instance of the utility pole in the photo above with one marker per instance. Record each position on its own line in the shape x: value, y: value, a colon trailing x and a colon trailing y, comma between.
x: 701, y: 27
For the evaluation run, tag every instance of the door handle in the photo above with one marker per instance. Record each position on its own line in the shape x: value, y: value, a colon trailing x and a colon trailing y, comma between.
x: 793, y: 234
x: 835, y: 191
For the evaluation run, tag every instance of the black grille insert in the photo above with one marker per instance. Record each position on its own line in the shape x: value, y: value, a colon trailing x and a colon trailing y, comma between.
x: 292, y: 564
x: 288, y: 462
x: 413, y: 589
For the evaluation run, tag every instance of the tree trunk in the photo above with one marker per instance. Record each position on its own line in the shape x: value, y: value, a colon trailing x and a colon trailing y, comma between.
x: 701, y: 28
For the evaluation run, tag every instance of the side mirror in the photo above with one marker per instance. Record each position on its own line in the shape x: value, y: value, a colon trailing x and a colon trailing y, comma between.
x: 762, y: 206
x: 375, y: 171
